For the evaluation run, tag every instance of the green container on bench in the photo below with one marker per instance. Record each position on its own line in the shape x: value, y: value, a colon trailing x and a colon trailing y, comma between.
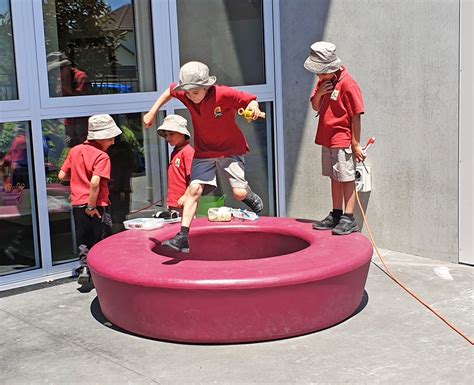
x: 208, y: 201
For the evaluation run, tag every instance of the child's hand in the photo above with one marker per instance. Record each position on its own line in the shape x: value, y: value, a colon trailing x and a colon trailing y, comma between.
x: 325, y: 88
x: 358, y: 152
x: 181, y: 200
x: 253, y: 106
x: 148, y: 119
x: 93, y: 213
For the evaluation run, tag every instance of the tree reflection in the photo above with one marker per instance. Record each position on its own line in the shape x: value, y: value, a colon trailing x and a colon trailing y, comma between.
x: 82, y: 32
x: 8, y: 88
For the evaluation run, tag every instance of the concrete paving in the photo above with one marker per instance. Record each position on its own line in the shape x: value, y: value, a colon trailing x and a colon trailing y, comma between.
x: 58, y: 335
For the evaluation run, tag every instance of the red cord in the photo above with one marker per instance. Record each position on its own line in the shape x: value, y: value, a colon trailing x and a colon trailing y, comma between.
x: 409, y: 291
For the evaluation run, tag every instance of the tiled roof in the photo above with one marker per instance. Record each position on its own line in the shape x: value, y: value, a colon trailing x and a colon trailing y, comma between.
x: 122, y: 19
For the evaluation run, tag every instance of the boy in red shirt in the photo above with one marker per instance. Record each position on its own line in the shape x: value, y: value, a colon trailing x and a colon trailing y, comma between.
x: 174, y: 130
x: 338, y: 101
x: 218, y: 142
x: 87, y: 167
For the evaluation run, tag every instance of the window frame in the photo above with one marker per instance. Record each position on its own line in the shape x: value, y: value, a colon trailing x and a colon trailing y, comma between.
x: 13, y: 108
x: 35, y: 105
x: 263, y: 91
x: 159, y: 21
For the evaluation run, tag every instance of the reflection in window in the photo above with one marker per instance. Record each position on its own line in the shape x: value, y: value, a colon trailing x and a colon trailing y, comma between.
x: 98, y: 47
x: 230, y: 38
x: 17, y: 222
x: 8, y: 86
x: 259, y: 162
x: 135, y: 177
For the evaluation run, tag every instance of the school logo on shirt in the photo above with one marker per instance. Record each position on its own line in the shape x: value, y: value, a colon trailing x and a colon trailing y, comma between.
x: 177, y: 162
x: 217, y: 112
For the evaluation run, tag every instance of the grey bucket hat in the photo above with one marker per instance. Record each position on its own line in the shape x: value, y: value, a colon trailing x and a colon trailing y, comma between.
x: 194, y: 75
x: 174, y: 123
x: 322, y: 58
x: 102, y: 127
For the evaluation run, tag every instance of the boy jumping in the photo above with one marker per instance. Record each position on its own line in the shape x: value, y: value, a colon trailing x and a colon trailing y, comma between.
x: 218, y: 142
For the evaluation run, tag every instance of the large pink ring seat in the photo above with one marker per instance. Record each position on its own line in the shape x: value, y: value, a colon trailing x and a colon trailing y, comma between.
x: 243, y: 280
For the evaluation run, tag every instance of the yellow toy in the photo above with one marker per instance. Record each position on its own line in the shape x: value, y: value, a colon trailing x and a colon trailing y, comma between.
x: 249, y: 115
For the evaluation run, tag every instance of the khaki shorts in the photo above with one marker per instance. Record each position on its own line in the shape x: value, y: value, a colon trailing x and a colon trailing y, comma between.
x: 204, y: 171
x: 338, y: 164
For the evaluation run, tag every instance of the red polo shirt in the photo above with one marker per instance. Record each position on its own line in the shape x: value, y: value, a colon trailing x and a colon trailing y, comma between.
x: 179, y: 173
x: 216, y: 133
x: 84, y: 161
x: 336, y: 111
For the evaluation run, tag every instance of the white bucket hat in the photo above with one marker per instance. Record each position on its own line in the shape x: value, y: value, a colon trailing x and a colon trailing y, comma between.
x: 102, y: 127
x: 322, y: 58
x: 174, y: 123
x: 194, y: 75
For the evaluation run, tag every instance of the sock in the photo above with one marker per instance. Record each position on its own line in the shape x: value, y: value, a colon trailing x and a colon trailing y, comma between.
x: 349, y: 215
x: 184, y: 230
x: 253, y: 201
x: 337, y: 212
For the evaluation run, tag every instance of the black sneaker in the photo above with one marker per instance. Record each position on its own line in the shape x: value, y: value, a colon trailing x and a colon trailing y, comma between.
x: 84, y: 275
x: 179, y: 243
x: 254, y: 202
x: 345, y: 226
x: 327, y: 223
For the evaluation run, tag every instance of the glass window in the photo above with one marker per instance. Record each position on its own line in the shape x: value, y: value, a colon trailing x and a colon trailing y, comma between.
x: 258, y: 162
x: 8, y: 86
x: 98, y: 47
x: 17, y: 221
x: 135, y: 182
x: 227, y: 35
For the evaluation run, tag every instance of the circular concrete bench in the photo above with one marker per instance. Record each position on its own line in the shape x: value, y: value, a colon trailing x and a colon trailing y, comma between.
x: 243, y: 281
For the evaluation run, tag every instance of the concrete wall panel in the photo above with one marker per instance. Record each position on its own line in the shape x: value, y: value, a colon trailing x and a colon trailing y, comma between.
x: 405, y: 56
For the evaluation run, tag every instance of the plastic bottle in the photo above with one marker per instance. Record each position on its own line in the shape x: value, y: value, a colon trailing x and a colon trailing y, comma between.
x: 244, y: 214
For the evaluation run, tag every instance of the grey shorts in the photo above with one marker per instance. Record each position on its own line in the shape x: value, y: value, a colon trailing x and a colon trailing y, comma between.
x: 338, y: 164
x: 204, y: 171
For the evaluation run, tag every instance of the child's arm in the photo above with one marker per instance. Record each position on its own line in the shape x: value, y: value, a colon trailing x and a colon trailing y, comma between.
x: 65, y: 171
x: 182, y: 198
x: 64, y: 176
x: 149, y: 117
x: 323, y: 89
x: 93, y: 194
x: 356, y: 147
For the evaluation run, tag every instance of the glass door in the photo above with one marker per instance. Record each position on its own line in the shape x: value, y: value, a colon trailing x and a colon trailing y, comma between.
x: 235, y: 42
x: 18, y: 224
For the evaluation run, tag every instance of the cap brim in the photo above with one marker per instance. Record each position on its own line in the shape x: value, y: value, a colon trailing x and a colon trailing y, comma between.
x: 109, y: 133
x: 322, y: 68
x: 192, y: 86
x: 172, y: 128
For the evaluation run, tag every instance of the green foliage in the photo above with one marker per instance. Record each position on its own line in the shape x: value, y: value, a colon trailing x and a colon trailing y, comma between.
x: 54, y: 126
x: 128, y: 136
x: 7, y: 135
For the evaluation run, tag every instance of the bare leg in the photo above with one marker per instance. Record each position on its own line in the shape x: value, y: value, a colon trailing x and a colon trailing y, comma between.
x: 240, y: 193
x: 180, y: 242
x: 194, y: 192
x: 337, y: 194
x: 349, y: 196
